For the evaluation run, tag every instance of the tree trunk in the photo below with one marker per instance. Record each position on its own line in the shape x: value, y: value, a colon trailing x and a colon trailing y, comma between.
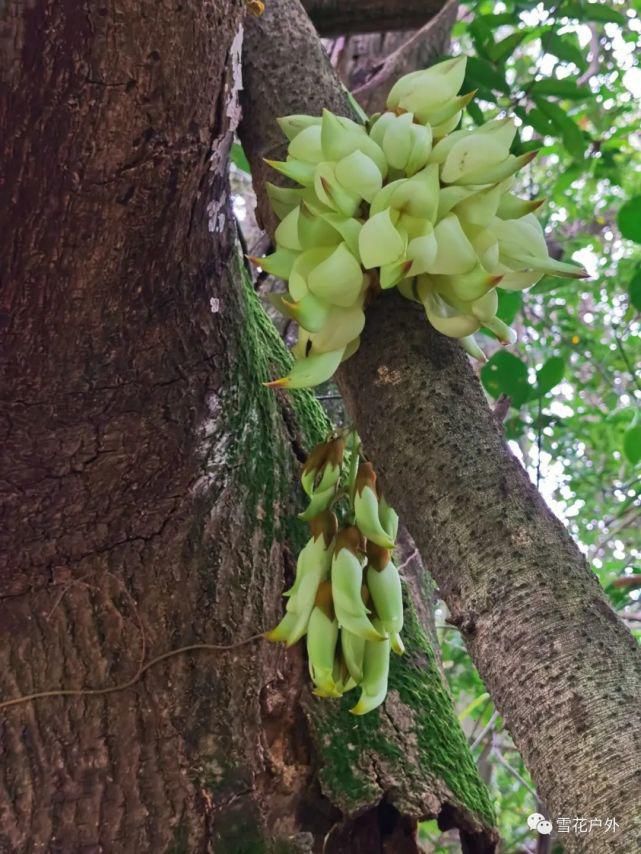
x: 147, y: 483
x: 561, y: 667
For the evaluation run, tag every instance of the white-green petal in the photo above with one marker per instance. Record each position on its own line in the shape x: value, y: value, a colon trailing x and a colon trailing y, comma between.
x: 359, y: 175
x: 338, y: 279
x: 379, y: 242
x: 286, y: 234
x: 306, y: 146
x: 455, y: 253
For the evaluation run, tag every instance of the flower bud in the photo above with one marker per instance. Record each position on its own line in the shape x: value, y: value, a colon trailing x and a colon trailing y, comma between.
x: 340, y: 137
x: 388, y: 517
x: 353, y: 648
x: 322, y: 636
x: 511, y: 207
x: 312, y: 568
x: 297, y: 170
x: 484, y: 148
x: 307, y: 372
x: 366, y: 507
x: 455, y: 254
x: 323, y: 466
x: 384, y: 585
x: 406, y: 145
x: 343, y: 325
x: 379, y: 241
x: 375, y: 675
x: 522, y: 246
x: 282, y: 199
x: 347, y: 581
x: 469, y: 344
x: 428, y: 93
x: 310, y: 312
x: 306, y: 145
x: 332, y: 274
x: 279, y: 263
x: 504, y: 333
x: 332, y: 193
x: 359, y: 175
x: 292, y: 125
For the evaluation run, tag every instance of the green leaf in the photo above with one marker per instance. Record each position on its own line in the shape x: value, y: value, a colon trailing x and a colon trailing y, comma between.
x: 629, y: 219
x: 514, y: 428
x: 506, y: 374
x: 635, y: 290
x: 510, y: 303
x: 566, y: 88
x: 550, y: 283
x: 566, y: 48
x: 501, y: 50
x: 572, y: 137
x: 594, y: 12
x: 476, y: 113
x: 473, y: 706
x: 632, y: 441
x: 238, y: 157
x: 535, y: 118
x: 481, y: 72
x: 538, y: 121
x: 566, y: 179
x: 494, y: 21
x: 549, y: 375
x: 481, y: 35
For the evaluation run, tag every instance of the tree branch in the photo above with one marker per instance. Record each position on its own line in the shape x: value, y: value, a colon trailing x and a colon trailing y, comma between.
x: 595, y: 50
x: 534, y: 618
x: 421, y: 48
x: 335, y: 17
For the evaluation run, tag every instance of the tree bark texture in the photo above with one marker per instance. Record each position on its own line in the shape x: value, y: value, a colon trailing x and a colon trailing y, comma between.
x: 373, y: 63
x: 147, y: 481
x: 561, y: 667
x: 333, y: 17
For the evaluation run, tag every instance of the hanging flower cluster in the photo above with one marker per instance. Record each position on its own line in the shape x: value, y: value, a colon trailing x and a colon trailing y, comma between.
x: 347, y: 593
x: 405, y: 201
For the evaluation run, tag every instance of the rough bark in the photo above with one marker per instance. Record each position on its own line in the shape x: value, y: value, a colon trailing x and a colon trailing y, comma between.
x: 147, y: 480
x: 377, y: 62
x: 333, y: 17
x: 122, y: 321
x: 562, y: 669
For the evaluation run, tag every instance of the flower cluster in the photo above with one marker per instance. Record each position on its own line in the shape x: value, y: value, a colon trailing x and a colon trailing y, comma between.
x: 346, y: 596
x: 405, y: 201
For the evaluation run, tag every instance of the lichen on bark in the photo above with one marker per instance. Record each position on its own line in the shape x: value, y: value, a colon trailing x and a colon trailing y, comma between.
x: 412, y: 752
